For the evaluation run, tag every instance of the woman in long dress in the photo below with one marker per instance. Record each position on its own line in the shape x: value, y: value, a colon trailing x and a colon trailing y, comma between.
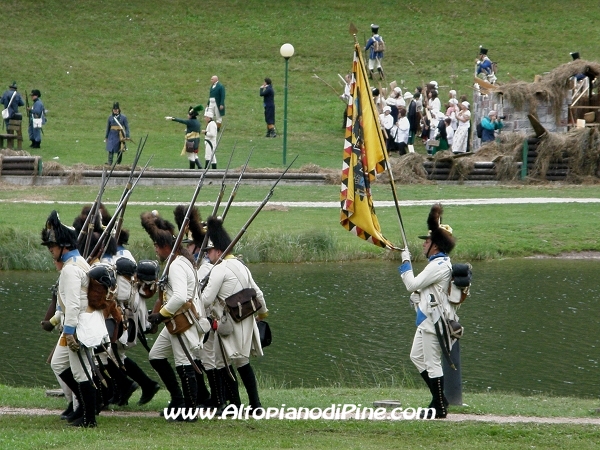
x: 461, y: 136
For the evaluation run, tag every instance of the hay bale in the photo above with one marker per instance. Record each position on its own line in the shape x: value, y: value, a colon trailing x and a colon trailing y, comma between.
x: 406, y: 169
x: 552, y: 87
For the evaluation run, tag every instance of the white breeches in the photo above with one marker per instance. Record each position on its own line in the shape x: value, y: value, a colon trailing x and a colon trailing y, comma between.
x: 426, y: 353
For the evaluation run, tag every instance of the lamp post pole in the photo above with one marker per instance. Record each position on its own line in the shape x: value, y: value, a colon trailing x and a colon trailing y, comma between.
x: 287, y: 51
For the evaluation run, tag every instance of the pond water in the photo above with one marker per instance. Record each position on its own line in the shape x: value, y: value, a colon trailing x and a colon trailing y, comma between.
x: 531, y: 326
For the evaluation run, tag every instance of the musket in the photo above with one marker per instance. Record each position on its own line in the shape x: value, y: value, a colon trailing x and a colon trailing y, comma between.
x: 236, y: 239
x: 96, y: 204
x: 186, y: 220
x: 52, y: 307
x: 236, y: 186
x: 93, y: 216
x: 217, y: 204
x: 128, y: 186
x: 27, y: 107
x: 330, y: 86
x: 102, y: 243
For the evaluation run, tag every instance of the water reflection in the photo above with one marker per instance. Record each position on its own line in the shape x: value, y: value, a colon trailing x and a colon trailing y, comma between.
x: 531, y: 326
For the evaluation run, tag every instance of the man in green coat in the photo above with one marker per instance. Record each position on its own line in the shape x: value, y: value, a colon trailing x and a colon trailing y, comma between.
x: 216, y: 101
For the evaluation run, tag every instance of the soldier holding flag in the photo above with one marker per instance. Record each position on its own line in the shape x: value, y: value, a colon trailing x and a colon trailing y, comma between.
x: 429, y: 293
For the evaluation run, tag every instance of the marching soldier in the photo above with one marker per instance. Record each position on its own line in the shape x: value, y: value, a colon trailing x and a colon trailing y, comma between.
x: 181, y: 287
x: 429, y: 289
x: 228, y: 278
x: 83, y: 328
x: 117, y: 132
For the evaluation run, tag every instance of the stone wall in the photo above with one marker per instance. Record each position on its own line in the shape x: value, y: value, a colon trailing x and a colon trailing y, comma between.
x: 516, y: 121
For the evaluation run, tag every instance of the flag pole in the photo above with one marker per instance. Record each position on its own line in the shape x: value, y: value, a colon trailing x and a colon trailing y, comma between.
x: 353, y: 31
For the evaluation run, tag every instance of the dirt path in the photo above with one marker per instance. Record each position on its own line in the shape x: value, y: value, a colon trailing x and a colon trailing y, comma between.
x: 6, y: 410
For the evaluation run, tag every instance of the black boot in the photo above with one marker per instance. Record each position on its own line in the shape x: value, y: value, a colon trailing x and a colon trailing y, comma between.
x: 148, y: 385
x: 213, y: 166
x: 119, y: 158
x: 122, y: 384
x: 37, y: 144
x: 87, y: 392
x: 268, y: 133
x: 32, y: 143
x: 203, y: 396
x: 197, y: 162
x: 217, y: 397
x: 69, y: 380
x: 187, y: 375
x: 249, y: 380
x: 439, y: 400
x: 425, y: 376
x: 110, y: 159
x: 380, y: 70
x: 67, y: 412
x: 192, y: 165
x: 206, y: 163
x: 232, y: 392
x: 168, y: 377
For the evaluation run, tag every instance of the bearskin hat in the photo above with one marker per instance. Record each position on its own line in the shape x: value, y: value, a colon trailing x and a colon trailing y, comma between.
x: 195, y: 226
x: 123, y: 237
x: 55, y: 233
x: 160, y: 230
x: 439, y: 233
x: 218, y: 237
x: 102, y: 219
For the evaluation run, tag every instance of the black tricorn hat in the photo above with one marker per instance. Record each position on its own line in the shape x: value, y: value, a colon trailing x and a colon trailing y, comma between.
x: 56, y: 233
x: 482, y: 51
x: 439, y: 233
x: 13, y: 85
x: 160, y: 230
x: 575, y: 55
x: 195, y: 226
x: 36, y: 92
x: 218, y: 237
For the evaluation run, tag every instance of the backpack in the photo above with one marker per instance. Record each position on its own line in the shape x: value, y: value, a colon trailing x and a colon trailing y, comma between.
x: 460, y: 284
x: 479, y: 129
x: 379, y: 45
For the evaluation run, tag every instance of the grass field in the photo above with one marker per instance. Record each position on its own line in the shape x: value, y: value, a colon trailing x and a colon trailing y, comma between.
x: 30, y: 431
x: 156, y: 58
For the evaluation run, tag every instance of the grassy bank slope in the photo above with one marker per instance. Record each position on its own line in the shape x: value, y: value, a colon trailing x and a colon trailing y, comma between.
x: 156, y: 58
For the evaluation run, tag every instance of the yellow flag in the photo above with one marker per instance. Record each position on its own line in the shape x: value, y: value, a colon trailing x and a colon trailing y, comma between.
x: 364, y: 158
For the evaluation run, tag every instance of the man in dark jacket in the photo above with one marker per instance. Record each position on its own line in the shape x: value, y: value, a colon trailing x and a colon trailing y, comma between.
x: 11, y: 100
x: 268, y: 95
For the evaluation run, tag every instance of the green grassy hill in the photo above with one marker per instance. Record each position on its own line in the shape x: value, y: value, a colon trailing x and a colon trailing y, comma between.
x: 156, y: 58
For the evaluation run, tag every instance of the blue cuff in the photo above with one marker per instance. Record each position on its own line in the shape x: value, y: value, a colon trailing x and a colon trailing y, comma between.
x: 69, y: 330
x: 405, y: 267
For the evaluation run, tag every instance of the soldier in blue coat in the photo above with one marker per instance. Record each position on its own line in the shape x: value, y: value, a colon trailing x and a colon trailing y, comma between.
x: 11, y: 100
x: 376, y: 47
x: 36, y: 111
x: 268, y: 95
x: 117, y: 132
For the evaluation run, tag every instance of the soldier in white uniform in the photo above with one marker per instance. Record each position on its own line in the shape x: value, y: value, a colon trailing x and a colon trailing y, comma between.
x: 227, y: 278
x: 181, y: 286
x: 431, y: 285
x: 70, y: 359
